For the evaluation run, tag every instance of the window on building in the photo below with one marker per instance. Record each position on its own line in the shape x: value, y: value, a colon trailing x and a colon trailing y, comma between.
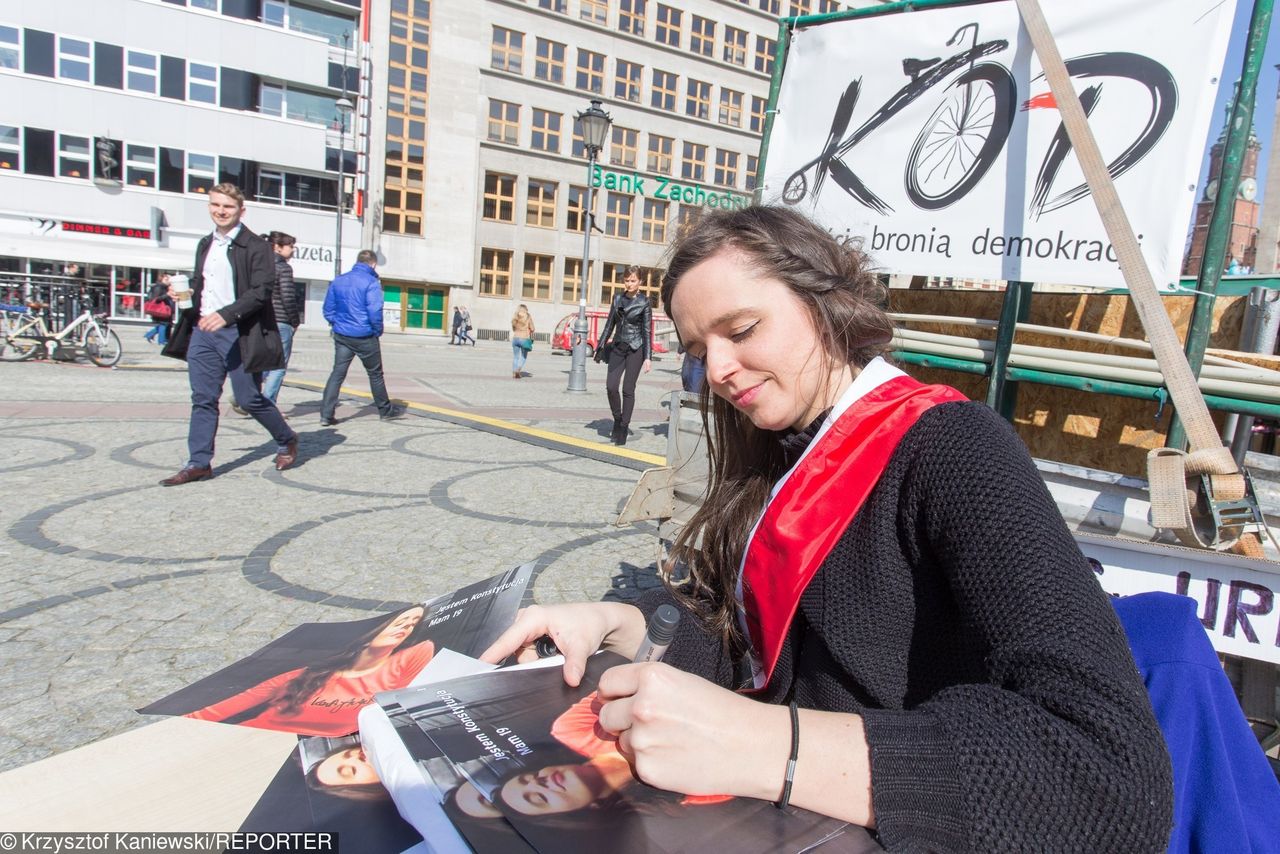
x: 726, y: 174
x: 142, y: 72
x: 202, y: 83
x: 271, y: 187
x: 73, y: 156
x: 631, y: 17
x: 201, y: 172
x: 596, y: 11
x: 10, y: 147
x: 504, y: 121
x: 507, y: 51
x: 578, y: 145
x: 660, y: 148
x: 560, y: 6
x: 612, y: 284
x: 573, y: 278
x: 499, y: 197
x: 173, y: 173
x: 668, y: 25
x: 271, y: 100
x: 799, y: 7
x: 546, y: 131
x: 10, y: 48
x: 495, y: 272
x: 590, y: 71
x: 617, y: 215
x: 826, y: 7
x: 753, y: 165
x: 663, y: 95
x: 698, y: 99
x: 702, y: 36
x: 735, y: 46
x: 730, y: 108
x: 653, y: 226
x: 575, y: 212
x: 772, y: 7
x: 693, y: 167
x: 540, y: 210
x: 74, y: 57
x: 757, y: 113
x: 624, y: 143
x: 626, y: 81
x: 140, y: 165
x: 537, y: 276
x: 765, y: 49
x: 549, y: 63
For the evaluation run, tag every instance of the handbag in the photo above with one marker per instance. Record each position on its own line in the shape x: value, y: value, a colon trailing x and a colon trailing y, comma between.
x: 526, y: 344
x: 157, y: 309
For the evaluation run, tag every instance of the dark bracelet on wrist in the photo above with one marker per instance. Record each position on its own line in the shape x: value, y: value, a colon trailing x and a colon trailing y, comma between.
x: 791, y: 761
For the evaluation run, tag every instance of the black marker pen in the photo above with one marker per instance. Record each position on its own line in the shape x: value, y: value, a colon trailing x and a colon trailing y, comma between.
x: 662, y: 628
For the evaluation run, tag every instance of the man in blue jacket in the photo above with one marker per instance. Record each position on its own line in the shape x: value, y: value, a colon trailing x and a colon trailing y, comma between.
x: 353, y: 307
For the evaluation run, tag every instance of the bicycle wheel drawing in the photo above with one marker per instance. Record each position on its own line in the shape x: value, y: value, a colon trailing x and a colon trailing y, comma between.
x: 102, y: 348
x: 18, y: 348
x: 963, y: 137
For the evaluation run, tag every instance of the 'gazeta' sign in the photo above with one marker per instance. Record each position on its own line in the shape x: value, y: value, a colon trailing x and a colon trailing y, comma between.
x: 658, y: 187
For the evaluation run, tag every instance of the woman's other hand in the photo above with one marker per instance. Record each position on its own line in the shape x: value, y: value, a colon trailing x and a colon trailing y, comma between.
x: 685, y: 734
x: 648, y: 366
x: 578, y: 630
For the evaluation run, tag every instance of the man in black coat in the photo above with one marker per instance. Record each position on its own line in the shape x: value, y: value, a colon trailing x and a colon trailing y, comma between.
x: 229, y: 332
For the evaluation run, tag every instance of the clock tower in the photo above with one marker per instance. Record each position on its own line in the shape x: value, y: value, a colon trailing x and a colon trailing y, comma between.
x: 1242, y: 242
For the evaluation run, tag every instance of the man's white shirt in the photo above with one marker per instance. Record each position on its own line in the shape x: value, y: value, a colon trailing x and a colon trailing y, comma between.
x: 219, y: 284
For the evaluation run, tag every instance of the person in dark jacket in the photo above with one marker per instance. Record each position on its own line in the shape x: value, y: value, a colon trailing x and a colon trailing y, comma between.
x: 229, y: 331
x: 886, y: 619
x: 630, y: 322
x: 284, y: 299
x: 353, y: 307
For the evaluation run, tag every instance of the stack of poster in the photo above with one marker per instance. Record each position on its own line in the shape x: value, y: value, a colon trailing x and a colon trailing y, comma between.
x: 314, y: 680
x: 519, y: 763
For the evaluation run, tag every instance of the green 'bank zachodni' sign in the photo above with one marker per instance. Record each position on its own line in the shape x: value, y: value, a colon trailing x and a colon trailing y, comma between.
x: 658, y: 187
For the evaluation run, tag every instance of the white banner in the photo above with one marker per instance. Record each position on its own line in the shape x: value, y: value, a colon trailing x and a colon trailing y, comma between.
x: 1236, y: 597
x: 933, y: 137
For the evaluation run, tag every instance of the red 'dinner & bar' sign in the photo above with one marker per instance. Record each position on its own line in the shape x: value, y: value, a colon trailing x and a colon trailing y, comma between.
x: 107, y: 230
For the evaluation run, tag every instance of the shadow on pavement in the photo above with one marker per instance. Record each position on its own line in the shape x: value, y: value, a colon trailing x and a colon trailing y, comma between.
x: 630, y: 582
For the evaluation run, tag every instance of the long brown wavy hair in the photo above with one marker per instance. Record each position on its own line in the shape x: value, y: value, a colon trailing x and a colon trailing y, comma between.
x: 299, y: 689
x: 845, y: 302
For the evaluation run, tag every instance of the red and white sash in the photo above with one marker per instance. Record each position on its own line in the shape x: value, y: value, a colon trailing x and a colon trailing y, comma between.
x: 815, y: 504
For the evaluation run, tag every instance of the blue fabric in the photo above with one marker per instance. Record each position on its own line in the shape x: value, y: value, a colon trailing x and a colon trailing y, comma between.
x: 272, y: 380
x: 518, y: 355
x: 212, y: 358
x: 353, y: 304
x: 1226, y: 799
x: 160, y: 329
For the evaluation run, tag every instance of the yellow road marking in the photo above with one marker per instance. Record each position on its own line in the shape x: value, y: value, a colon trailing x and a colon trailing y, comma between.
x: 547, y: 435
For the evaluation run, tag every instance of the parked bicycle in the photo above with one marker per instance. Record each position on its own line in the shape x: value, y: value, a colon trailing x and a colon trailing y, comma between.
x: 25, y: 335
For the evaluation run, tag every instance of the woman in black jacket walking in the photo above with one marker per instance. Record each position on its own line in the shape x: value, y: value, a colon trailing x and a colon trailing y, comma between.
x: 630, y: 322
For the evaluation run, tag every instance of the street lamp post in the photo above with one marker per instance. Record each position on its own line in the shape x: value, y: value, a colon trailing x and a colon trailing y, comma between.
x: 344, y: 108
x: 594, y: 122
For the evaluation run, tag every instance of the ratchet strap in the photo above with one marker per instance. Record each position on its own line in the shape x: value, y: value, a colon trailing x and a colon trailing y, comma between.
x: 1209, y: 464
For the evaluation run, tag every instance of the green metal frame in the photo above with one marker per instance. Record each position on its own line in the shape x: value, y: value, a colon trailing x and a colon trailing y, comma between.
x: 1215, y: 247
x: 1002, y: 390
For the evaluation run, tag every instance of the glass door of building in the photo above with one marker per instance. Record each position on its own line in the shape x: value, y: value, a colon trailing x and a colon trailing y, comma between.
x: 420, y: 309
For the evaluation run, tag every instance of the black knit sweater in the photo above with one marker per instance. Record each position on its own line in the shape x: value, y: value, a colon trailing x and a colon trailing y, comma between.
x: 957, y: 616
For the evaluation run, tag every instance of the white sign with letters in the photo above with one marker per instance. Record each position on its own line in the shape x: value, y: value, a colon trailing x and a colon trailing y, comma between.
x: 932, y: 135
